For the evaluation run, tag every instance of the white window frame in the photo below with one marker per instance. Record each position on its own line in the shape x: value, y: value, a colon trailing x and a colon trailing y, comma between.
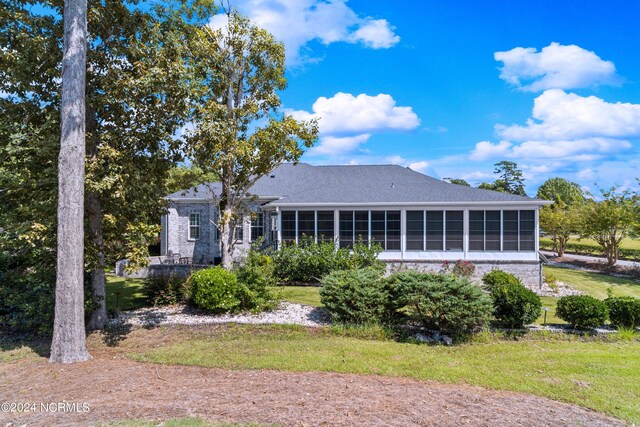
x: 197, y: 225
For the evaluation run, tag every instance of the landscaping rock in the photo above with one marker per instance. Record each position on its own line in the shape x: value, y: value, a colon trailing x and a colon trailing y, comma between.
x: 447, y: 340
x: 422, y: 338
x: 287, y: 314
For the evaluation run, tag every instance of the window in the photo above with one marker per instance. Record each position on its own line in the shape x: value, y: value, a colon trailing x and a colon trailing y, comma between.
x: 194, y: 226
x: 257, y: 226
x: 527, y: 230
x: 484, y: 230
x: 492, y: 230
x: 288, y: 226
x: 435, y: 230
x: 454, y: 230
x: 378, y: 227
x: 325, y: 226
x: 346, y: 229
x: 510, y: 230
x: 393, y: 231
x: 415, y: 230
x: 306, y: 225
x: 476, y: 230
x: 238, y: 232
x: 361, y: 226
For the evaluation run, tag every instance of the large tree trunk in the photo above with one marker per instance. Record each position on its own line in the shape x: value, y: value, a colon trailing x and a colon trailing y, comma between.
x: 226, y: 238
x: 94, y: 212
x: 69, y: 336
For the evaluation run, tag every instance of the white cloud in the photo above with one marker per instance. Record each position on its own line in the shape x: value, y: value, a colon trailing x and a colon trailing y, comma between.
x: 338, y: 145
x: 419, y: 166
x: 348, y: 114
x: 487, y: 150
x: 298, y: 22
x: 345, y: 121
x: 554, y: 67
x: 559, y: 115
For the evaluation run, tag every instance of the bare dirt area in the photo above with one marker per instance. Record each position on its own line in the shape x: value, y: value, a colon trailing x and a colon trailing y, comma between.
x: 116, y: 388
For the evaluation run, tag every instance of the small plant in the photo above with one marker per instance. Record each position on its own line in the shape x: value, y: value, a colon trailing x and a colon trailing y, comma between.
x: 582, y: 311
x: 624, y: 312
x: 443, y: 302
x: 499, y: 277
x: 257, y: 275
x: 165, y: 289
x: 514, y: 305
x: 464, y: 269
x: 360, y: 297
x: 552, y: 282
x: 217, y: 290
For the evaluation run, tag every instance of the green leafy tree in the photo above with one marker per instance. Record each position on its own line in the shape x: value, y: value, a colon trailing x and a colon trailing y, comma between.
x: 560, y: 222
x: 240, y: 134
x: 510, y: 179
x: 457, y: 181
x: 136, y: 100
x: 560, y: 190
x: 610, y: 220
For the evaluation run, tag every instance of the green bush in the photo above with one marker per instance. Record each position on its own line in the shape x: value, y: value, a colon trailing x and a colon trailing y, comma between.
x: 257, y: 275
x: 514, y: 305
x: 165, y: 289
x: 360, y: 297
x: 499, y: 277
x: 624, y: 312
x: 582, y: 311
x: 217, y: 290
x: 443, y: 302
x: 308, y: 261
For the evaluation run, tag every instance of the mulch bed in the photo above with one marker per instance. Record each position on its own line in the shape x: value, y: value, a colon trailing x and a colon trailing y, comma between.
x: 601, y: 267
x: 117, y: 388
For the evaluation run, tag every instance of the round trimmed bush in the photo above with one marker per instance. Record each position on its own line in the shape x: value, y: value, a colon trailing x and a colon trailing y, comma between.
x: 514, y: 305
x: 217, y: 290
x: 582, y: 311
x: 443, y: 302
x: 624, y: 312
x: 358, y: 297
x: 499, y: 277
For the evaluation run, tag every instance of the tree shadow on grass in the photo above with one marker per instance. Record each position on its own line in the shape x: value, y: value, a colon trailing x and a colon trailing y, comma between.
x: 12, y: 342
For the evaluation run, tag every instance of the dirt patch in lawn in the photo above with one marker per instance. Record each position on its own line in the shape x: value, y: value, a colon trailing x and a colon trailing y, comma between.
x: 117, y: 388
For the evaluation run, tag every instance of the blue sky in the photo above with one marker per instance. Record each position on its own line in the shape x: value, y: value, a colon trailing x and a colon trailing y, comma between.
x: 451, y: 87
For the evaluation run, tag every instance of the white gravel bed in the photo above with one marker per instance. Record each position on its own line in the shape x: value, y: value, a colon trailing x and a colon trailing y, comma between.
x: 563, y: 290
x: 286, y: 314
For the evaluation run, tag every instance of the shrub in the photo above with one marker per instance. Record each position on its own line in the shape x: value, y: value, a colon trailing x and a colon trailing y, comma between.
x: 309, y: 261
x: 460, y: 268
x: 514, y: 305
x: 361, y: 297
x: 552, y: 281
x: 499, y: 277
x: 257, y: 275
x: 165, y: 289
x: 217, y: 290
x: 449, y: 304
x: 582, y: 311
x: 624, y: 312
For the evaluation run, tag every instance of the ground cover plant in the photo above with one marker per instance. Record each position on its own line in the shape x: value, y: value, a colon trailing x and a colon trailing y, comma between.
x: 599, y: 373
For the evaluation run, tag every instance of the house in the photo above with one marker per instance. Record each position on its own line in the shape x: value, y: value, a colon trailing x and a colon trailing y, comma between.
x: 420, y: 221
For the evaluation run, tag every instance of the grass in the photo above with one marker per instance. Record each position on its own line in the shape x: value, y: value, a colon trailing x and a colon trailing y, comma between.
x: 124, y: 293
x: 595, y: 284
x: 626, y: 243
x: 308, y: 295
x: 604, y: 376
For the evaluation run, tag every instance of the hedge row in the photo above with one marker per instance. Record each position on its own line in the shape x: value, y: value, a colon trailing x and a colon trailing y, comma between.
x: 590, y: 249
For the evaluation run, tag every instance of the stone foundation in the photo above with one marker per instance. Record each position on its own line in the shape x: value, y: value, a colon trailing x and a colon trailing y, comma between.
x: 530, y: 272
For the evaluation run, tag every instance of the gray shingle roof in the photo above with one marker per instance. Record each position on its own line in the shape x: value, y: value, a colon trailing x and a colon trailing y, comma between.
x: 307, y: 184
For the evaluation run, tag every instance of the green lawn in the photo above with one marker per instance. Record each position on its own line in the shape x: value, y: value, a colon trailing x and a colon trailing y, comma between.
x: 308, y: 295
x: 604, y: 376
x: 124, y: 293
x: 595, y: 284
x: 626, y: 243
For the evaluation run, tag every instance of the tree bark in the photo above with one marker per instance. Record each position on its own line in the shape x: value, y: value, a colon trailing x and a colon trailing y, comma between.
x: 69, y: 336
x: 226, y: 238
x: 98, y: 318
